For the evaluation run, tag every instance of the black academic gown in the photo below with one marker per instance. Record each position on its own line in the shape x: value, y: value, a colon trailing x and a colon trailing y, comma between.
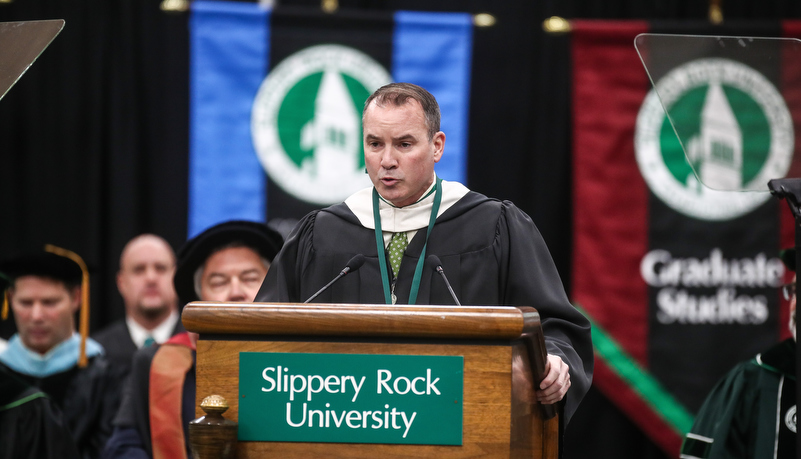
x: 119, y: 347
x: 491, y: 252
x: 88, y: 398
x: 751, y: 412
x: 31, y: 426
x: 132, y: 437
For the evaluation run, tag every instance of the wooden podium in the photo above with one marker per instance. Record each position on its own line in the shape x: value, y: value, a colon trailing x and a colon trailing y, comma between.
x: 502, y: 348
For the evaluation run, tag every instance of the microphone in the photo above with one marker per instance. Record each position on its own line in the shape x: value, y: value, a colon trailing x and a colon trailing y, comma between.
x: 436, y: 264
x: 355, y: 263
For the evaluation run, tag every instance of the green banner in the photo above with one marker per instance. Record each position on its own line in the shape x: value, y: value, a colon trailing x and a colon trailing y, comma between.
x: 351, y: 398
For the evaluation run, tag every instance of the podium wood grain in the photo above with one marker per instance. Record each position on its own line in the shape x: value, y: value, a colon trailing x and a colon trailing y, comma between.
x: 501, y: 418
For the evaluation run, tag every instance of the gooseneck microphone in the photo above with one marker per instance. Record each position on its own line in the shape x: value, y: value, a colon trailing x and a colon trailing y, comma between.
x: 355, y: 263
x: 436, y: 264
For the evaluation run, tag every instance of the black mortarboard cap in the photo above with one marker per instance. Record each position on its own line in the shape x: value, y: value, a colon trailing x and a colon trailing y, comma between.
x: 59, y: 264
x: 43, y: 264
x: 265, y: 240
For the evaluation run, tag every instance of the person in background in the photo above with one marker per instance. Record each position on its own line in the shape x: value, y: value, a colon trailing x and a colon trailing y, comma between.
x: 144, y: 280
x: 46, y: 352
x: 31, y: 426
x: 752, y: 413
x: 227, y: 262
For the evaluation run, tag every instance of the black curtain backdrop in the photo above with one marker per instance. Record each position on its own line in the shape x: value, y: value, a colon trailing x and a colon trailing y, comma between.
x: 94, y: 137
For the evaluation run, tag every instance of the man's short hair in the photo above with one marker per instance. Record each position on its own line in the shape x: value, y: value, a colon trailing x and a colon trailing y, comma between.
x: 399, y: 94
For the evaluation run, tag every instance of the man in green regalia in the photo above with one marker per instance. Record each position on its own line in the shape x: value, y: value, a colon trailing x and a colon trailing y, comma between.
x: 751, y: 412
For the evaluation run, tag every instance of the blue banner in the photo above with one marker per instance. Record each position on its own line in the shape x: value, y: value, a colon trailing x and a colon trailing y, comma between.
x: 230, y: 49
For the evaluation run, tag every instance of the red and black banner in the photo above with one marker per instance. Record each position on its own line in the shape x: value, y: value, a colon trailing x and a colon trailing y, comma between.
x: 680, y: 281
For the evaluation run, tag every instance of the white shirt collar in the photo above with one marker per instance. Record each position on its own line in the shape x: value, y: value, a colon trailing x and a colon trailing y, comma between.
x: 160, y: 334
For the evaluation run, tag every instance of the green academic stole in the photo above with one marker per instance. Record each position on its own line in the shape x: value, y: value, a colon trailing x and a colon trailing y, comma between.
x: 379, y: 241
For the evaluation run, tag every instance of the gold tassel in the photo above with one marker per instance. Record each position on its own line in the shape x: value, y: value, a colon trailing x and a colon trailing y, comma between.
x: 4, y: 312
x: 84, y: 320
x: 4, y: 308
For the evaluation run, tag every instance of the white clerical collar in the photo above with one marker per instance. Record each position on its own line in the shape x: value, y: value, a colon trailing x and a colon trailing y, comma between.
x: 409, y: 218
x: 160, y: 334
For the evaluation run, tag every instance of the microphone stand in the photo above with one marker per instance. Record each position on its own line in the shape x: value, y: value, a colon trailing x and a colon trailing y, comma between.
x: 448, y: 284
x: 339, y: 276
x: 355, y: 263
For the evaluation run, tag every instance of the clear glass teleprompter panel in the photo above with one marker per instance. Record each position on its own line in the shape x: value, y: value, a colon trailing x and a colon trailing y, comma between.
x: 20, y: 44
x: 730, y: 108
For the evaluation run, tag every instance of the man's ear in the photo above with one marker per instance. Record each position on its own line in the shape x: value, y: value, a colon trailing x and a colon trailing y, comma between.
x: 119, y: 281
x: 439, y: 145
x: 75, y: 299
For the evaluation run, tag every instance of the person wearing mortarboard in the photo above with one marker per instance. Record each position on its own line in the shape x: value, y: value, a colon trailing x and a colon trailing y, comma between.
x: 751, y: 412
x: 226, y: 262
x: 47, y: 290
x: 31, y: 426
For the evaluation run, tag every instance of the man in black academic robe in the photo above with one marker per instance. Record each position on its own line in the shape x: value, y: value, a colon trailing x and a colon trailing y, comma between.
x: 490, y: 250
x: 226, y: 262
x: 144, y: 280
x: 47, y: 353
x: 31, y: 426
x: 120, y: 348
x: 751, y: 413
x: 88, y: 398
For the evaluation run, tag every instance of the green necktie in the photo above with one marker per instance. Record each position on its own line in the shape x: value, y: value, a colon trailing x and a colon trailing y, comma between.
x: 397, y: 245
x: 149, y: 341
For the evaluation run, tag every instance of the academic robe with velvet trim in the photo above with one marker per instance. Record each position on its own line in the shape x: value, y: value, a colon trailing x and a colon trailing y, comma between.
x: 751, y: 412
x: 491, y: 252
x: 31, y: 426
x: 132, y: 431
x: 88, y: 398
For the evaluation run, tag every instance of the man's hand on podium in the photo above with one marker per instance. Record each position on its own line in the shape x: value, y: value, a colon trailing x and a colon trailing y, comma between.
x: 556, y: 383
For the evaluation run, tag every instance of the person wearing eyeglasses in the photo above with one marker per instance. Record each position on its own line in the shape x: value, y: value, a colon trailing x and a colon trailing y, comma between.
x: 751, y: 412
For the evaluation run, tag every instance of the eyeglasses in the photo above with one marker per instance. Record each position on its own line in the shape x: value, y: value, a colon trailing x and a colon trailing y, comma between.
x: 788, y: 291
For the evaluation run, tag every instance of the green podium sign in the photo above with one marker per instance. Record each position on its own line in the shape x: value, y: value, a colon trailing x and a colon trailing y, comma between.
x: 351, y: 398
